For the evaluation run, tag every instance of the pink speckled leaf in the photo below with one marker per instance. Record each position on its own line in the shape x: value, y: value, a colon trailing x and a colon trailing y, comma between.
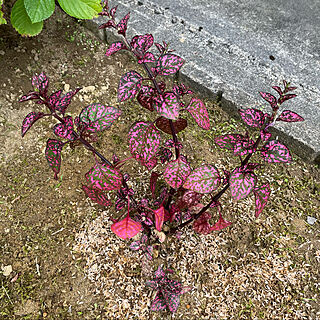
x: 164, y: 125
x: 113, y: 11
x: 261, y: 194
x: 172, y: 300
x: 144, y: 140
x: 159, y: 218
x: 202, y: 225
x: 265, y: 136
x: 103, y: 177
x: 141, y: 44
x: 109, y: 24
x: 148, y: 57
x: 129, y: 85
x: 122, y: 25
x: 204, y: 179
x: 274, y: 151
x: 278, y: 89
x: 241, y: 183
x: 286, y: 97
x: 176, y: 173
x: 29, y: 96
x: 289, y: 116
x: 98, y: 117
x: 169, y: 64
x: 53, y: 155
x: 199, y: 113
x: 243, y: 147
x: 126, y: 228
x: 228, y: 141
x: 29, y: 120
x: 189, y: 199
x: 65, y: 130
x: 115, y: 47
x: 145, y: 97
x: 167, y: 105
x: 159, y: 302
x: 54, y: 98
x: 221, y: 224
x: 252, y: 117
x: 65, y: 100
x: 97, y: 196
x: 269, y: 98
x: 41, y: 82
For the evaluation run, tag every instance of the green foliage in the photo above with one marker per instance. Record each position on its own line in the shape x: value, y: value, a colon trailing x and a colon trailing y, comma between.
x: 2, y: 19
x: 27, y: 16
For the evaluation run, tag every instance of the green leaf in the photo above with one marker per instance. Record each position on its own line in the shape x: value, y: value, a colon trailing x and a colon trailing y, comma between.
x: 21, y: 21
x: 81, y: 9
x: 39, y: 10
x: 2, y: 20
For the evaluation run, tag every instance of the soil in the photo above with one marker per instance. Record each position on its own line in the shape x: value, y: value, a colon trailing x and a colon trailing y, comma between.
x: 58, y: 257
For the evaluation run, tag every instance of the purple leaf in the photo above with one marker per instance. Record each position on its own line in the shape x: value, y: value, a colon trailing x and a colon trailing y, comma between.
x: 252, y: 117
x: 109, y: 24
x: 29, y: 120
x: 278, y: 89
x: 129, y: 85
x: 115, y: 47
x: 164, y: 125
x: 65, y: 130
x: 286, y: 97
x: 144, y: 140
x: 126, y: 228
x: 104, y: 177
x: 141, y: 44
x: 176, y: 173
x: 145, y: 97
x: 261, y: 194
x: 30, y: 96
x: 65, y: 100
x: 189, y: 199
x: 204, y: 179
x: 241, y: 183
x: 265, y: 136
x: 274, y: 151
x: 269, y: 98
x: 41, y: 82
x: 120, y: 204
x: 97, y: 196
x: 167, y: 105
x: 148, y: 252
x: 221, y: 224
x: 122, y: 25
x: 228, y: 141
x: 289, y: 116
x: 199, y: 112
x: 53, y: 155
x: 169, y: 64
x: 136, y: 245
x: 98, y: 117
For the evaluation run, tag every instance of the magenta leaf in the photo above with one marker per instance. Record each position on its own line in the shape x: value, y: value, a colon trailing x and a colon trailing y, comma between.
x: 199, y: 113
x: 189, y: 199
x: 98, y: 117
x: 29, y: 120
x: 103, y: 177
x: 113, y: 11
x: 289, y: 116
x: 169, y: 64
x: 159, y: 302
x: 126, y: 228
x: 109, y: 24
x: 122, y: 25
x: 148, y: 57
x: 41, y: 82
x: 54, y: 98
x: 164, y: 125
x: 64, y: 101
x: 115, y: 47
x: 136, y: 245
x: 172, y: 300
x: 228, y: 141
x: 274, y: 151
x: 141, y: 44
x: 159, y: 218
x: 286, y: 97
x: 65, y: 130
x: 241, y: 183
x: 176, y: 173
x: 204, y: 179
x: 261, y: 194
x: 53, y: 155
x: 221, y: 224
x: 97, y: 196
x: 252, y: 117
x: 153, y: 182
x: 265, y: 136
x: 129, y: 85
x: 30, y: 96
x: 145, y: 97
x: 243, y: 146
x: 164, y: 155
x: 144, y: 141
x: 269, y: 98
x: 167, y: 105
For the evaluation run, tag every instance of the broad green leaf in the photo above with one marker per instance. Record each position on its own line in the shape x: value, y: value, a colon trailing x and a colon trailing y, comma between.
x: 81, y: 9
x: 2, y: 20
x: 39, y: 10
x: 21, y: 21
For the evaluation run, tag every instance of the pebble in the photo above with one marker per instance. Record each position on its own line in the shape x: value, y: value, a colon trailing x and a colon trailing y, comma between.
x: 88, y: 89
x: 66, y: 87
x: 6, y: 270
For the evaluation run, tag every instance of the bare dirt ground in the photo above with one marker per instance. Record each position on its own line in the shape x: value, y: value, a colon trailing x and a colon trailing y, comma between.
x: 58, y: 257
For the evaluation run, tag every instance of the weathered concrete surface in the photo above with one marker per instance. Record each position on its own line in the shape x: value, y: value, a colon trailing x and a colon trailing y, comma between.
x: 240, y: 47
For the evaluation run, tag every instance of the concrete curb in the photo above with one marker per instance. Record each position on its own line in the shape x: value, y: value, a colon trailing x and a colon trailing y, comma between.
x: 235, y: 57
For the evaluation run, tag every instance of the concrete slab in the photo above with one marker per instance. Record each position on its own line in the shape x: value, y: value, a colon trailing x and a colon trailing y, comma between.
x: 237, y: 48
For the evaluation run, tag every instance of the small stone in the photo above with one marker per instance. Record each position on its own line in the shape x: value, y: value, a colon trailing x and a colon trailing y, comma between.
x: 311, y: 220
x: 88, y: 89
x: 67, y: 87
x: 6, y: 270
